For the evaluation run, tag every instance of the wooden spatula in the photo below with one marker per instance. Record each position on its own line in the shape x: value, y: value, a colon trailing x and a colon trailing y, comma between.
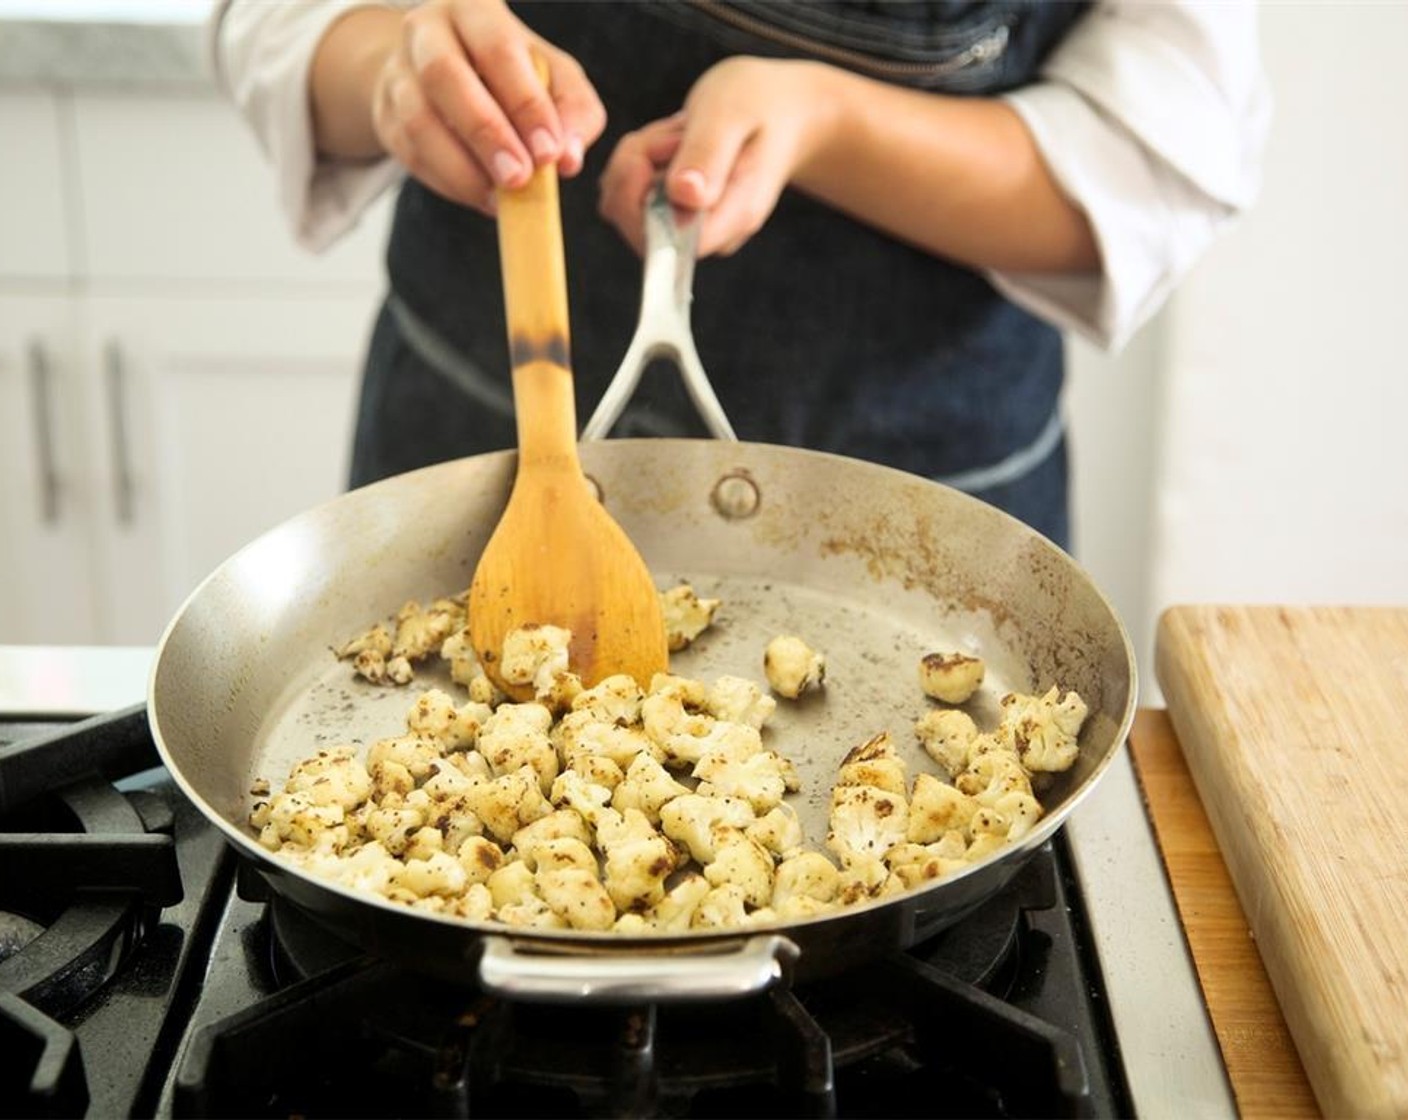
x: 557, y: 557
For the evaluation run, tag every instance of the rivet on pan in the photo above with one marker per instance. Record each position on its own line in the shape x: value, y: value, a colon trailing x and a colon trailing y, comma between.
x: 596, y: 488
x: 736, y: 496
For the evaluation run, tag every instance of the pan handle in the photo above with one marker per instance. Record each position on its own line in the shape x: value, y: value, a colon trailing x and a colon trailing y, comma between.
x: 663, y: 330
x: 747, y: 968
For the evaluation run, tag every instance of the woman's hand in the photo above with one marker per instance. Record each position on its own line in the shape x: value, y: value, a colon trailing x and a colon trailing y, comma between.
x: 748, y: 128
x: 448, y: 88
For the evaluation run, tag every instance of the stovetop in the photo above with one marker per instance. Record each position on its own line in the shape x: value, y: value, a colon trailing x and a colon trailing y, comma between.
x: 191, y: 992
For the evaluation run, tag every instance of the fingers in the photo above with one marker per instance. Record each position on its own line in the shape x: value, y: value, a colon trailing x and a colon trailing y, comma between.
x: 633, y: 167
x: 462, y: 107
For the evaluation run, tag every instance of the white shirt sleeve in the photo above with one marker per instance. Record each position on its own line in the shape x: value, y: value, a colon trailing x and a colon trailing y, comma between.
x: 262, y: 53
x: 1153, y: 118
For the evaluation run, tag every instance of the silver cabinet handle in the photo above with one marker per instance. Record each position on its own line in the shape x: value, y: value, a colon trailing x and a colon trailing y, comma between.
x: 123, y: 483
x: 42, y: 394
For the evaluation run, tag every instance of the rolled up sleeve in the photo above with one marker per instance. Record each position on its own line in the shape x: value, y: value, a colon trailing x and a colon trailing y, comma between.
x: 262, y: 53
x: 1152, y: 118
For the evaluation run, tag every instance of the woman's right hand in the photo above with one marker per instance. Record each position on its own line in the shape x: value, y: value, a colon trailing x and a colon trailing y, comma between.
x: 454, y: 97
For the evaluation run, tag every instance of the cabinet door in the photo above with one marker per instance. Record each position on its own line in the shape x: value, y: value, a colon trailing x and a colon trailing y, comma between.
x: 46, y: 579
x: 34, y: 237
x: 223, y: 418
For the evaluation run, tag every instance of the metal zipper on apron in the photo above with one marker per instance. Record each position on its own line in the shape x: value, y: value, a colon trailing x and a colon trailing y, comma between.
x: 985, y: 49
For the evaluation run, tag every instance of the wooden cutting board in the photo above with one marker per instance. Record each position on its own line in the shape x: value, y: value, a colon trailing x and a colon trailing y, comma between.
x: 1294, y: 723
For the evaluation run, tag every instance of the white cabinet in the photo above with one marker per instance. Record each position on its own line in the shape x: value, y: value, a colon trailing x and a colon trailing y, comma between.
x: 175, y: 376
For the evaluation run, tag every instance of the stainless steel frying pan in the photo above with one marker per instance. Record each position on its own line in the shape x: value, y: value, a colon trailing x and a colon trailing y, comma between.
x: 873, y: 566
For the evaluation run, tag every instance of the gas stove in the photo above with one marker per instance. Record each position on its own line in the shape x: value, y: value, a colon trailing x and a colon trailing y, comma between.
x: 144, y: 971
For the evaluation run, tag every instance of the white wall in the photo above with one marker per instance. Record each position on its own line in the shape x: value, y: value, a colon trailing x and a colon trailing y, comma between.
x: 1264, y: 432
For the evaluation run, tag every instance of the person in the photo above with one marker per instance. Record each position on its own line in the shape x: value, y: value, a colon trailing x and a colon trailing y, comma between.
x: 903, y: 206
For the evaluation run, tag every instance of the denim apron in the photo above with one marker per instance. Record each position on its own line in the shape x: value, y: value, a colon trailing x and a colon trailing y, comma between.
x: 820, y: 332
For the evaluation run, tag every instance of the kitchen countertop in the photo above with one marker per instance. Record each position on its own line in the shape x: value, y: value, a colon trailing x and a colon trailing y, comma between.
x: 1167, y: 1045
x: 104, y: 43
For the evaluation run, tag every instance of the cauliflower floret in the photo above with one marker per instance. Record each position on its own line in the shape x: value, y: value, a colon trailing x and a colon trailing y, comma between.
x: 369, y: 868
x: 1045, y: 728
x: 577, y: 896
x: 743, y: 861
x: 393, y: 827
x: 615, y: 699
x: 732, y: 741
x: 584, y: 732
x: 480, y: 857
x: 376, y: 640
x: 992, y: 776
x: 686, y: 615
x: 421, y: 632
x: 597, y: 770
x: 531, y: 913
x: 297, y: 819
x: 589, y: 801
x: 913, y: 864
x: 808, y: 874
x: 416, y: 753
x: 646, y: 787
x: 516, y: 735
x: 637, y: 859
x: 458, y: 650
x: 534, y: 655
x: 632, y: 925
x: 946, y: 735
x: 864, y: 877
x: 937, y: 808
x: 950, y: 677
x: 438, y: 873
x: 739, y: 700
x: 509, y: 802
x: 332, y: 777
x: 565, y: 851
x: 557, y: 825
x: 792, y: 666
x: 423, y: 843
x: 1021, y: 810
x: 476, y: 904
x: 779, y: 830
x: 724, y: 907
x: 512, y: 883
x: 761, y: 779
x: 865, y: 821
x: 483, y: 691
x: 874, y: 763
x: 689, y: 820
x: 675, y: 911
x: 434, y: 716
x: 674, y: 725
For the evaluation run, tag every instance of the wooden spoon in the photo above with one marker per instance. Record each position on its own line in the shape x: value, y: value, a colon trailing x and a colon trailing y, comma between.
x: 557, y: 557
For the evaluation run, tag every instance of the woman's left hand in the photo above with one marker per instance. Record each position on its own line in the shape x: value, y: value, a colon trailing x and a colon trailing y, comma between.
x: 747, y: 129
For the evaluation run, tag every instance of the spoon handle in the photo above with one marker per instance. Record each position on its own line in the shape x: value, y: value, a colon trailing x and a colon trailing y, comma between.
x: 535, y: 303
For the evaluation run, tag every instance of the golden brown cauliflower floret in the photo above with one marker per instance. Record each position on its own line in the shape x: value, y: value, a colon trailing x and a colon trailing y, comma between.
x: 557, y: 825
x: 808, y: 874
x: 516, y: 735
x: 992, y: 776
x: 1046, y: 728
x: 690, y: 820
x: 647, y: 786
x: 509, y: 802
x: 458, y: 650
x: 422, y: 631
x: 937, y: 808
x: 438, y: 873
x: 297, y: 819
x: 416, y: 753
x: 914, y: 864
x: 779, y: 830
x: 583, y: 732
x: 480, y: 857
x: 741, y: 860
x: 874, y: 763
x: 576, y: 895
x: 638, y: 859
x: 597, y: 770
x: 791, y: 666
x: 865, y: 821
x: 724, y: 907
x: 534, y: 655
x: 686, y: 615
x: 950, y: 677
x: 675, y: 911
x: 332, y: 777
x: 739, y: 700
x: 434, y: 716
x: 947, y: 735
x: 761, y: 779
x: 393, y: 827
x: 615, y: 699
